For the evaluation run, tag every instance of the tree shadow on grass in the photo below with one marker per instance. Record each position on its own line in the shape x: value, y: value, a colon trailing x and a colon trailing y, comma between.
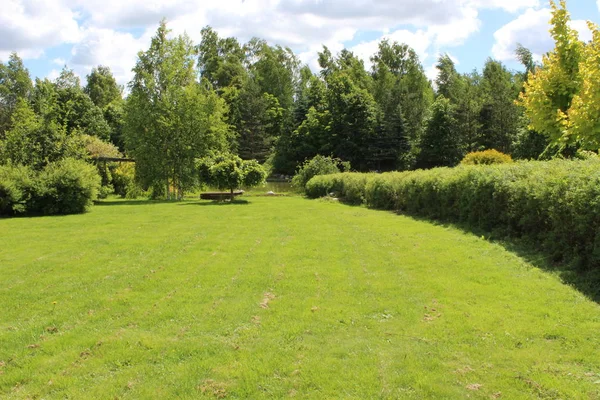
x: 102, y: 203
x: 215, y: 203
x: 186, y: 202
x: 586, y: 281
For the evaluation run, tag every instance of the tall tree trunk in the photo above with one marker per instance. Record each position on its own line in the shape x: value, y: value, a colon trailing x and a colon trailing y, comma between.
x: 232, y: 195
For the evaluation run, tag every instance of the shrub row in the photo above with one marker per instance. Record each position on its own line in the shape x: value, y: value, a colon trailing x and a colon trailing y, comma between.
x: 554, y: 204
x: 318, y: 165
x: 66, y: 187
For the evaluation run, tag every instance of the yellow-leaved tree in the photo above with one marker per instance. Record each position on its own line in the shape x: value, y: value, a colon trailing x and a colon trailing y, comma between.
x: 584, y: 114
x: 550, y: 90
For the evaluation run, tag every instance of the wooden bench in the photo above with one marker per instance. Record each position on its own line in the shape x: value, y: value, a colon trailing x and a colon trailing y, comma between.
x: 220, y: 196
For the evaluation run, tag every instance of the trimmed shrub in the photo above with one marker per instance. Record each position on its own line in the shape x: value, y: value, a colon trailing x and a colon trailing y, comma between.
x: 68, y: 186
x: 318, y: 165
x: 349, y: 186
x: 486, y: 157
x: 554, y: 204
x: 321, y: 186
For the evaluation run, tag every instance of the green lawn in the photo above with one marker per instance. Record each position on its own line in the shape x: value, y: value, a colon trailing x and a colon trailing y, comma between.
x: 281, y: 297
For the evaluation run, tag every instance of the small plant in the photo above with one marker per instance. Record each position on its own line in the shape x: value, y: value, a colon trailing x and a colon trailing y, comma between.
x: 124, y: 181
x: 318, y: 165
x: 229, y: 172
x: 486, y: 157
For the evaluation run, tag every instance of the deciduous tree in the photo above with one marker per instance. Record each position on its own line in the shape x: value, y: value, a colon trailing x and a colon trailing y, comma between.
x: 230, y: 172
x: 549, y: 91
x: 15, y: 84
x: 171, y: 119
x: 102, y: 87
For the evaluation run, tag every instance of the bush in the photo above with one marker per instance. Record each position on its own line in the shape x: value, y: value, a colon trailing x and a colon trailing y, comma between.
x: 554, y: 204
x: 486, y: 157
x: 68, y: 186
x: 318, y: 165
x: 65, y: 187
x: 15, y: 188
x: 105, y: 191
x: 123, y: 179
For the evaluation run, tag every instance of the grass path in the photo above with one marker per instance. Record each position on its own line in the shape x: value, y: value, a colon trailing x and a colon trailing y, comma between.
x: 277, y: 298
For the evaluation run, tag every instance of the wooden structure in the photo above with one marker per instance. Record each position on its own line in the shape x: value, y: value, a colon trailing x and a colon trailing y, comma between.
x: 220, y: 195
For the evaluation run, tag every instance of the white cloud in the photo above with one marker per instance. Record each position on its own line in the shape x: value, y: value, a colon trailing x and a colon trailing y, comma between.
x: 426, y: 41
x: 29, y: 26
x: 303, y: 25
x: 111, y: 32
x: 116, y: 50
x: 59, y: 61
x: 118, y: 14
x: 506, y: 5
x: 532, y: 30
x: 53, y: 74
x: 455, y: 32
x: 416, y: 12
x: 584, y: 31
x: 432, y: 72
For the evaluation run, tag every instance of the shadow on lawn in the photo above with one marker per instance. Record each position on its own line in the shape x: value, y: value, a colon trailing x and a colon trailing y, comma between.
x: 102, y: 203
x: 215, y: 203
x: 586, y: 281
x: 179, y: 203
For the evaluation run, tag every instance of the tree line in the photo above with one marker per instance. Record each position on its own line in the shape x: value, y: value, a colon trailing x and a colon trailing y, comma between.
x: 257, y: 101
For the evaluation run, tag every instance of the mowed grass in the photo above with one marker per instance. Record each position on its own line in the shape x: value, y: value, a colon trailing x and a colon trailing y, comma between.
x: 281, y: 297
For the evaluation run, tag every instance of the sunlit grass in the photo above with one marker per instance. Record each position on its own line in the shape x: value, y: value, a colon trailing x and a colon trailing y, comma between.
x: 280, y: 297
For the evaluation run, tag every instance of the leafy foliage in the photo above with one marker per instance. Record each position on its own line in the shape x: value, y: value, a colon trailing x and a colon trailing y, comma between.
x: 15, y: 85
x: 124, y: 183
x: 441, y: 143
x: 486, y: 157
x: 584, y: 114
x: 550, y: 90
x: 230, y: 172
x: 16, y: 183
x: 67, y: 186
x: 499, y: 115
x: 318, y: 165
x: 348, y: 186
x: 32, y: 140
x: 171, y: 119
x: 102, y: 88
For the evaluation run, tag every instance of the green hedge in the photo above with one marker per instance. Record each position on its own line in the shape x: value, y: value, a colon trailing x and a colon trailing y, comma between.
x: 351, y: 186
x: 318, y: 165
x: 554, y: 204
x: 66, y: 187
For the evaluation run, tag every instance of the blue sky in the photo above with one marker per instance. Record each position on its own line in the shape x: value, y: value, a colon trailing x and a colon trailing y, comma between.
x: 48, y: 34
